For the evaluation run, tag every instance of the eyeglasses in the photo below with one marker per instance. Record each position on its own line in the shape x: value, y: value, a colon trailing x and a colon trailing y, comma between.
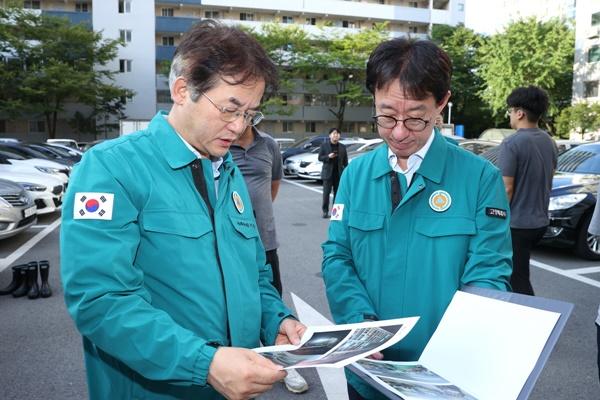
x: 412, y: 124
x: 510, y: 110
x: 229, y: 115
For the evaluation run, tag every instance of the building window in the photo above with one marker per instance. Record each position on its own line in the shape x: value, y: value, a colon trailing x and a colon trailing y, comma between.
x: 590, y: 89
x: 37, y: 126
x: 461, y: 7
x: 287, y: 126
x: 211, y: 14
x: 124, y: 65
x: 284, y: 99
x: 82, y: 7
x: 311, y: 127
x: 413, y: 4
x: 2, y: 126
x: 163, y: 96
x: 344, y: 24
x: 246, y: 17
x: 31, y: 4
x: 381, y: 1
x: 412, y: 29
x: 311, y: 21
x: 124, y: 6
x: 166, y: 12
x: 596, y: 19
x: 594, y: 54
x: 286, y: 19
x: 168, y: 41
x: 125, y: 35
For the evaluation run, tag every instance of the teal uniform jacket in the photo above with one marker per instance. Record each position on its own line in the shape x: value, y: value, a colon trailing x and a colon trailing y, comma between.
x: 410, y: 261
x: 144, y: 286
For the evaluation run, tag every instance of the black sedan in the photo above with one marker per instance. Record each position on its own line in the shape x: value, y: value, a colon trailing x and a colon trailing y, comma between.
x: 572, y: 201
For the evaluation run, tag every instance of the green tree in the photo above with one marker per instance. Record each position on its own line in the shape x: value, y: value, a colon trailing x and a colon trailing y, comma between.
x: 580, y: 118
x: 49, y: 62
x: 529, y: 52
x: 462, y: 45
x: 342, y: 62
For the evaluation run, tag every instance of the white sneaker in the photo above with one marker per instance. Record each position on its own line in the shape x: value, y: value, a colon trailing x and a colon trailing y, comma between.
x: 294, y: 382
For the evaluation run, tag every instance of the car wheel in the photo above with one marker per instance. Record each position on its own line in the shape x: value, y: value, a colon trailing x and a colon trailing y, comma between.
x: 587, y: 246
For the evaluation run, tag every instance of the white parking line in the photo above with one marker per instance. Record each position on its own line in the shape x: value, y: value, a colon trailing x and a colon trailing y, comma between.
x: 588, y: 270
x: 39, y: 226
x: 303, y: 186
x: 566, y: 273
x: 5, y: 262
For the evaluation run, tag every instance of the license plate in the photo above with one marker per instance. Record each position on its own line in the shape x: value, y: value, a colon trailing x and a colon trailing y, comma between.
x: 28, y: 212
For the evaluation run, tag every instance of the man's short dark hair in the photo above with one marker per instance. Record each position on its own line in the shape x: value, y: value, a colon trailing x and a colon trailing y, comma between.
x: 422, y: 68
x: 210, y: 51
x: 333, y: 130
x: 532, y: 100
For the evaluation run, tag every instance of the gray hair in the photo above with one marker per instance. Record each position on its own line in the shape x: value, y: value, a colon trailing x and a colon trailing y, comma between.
x: 177, y: 70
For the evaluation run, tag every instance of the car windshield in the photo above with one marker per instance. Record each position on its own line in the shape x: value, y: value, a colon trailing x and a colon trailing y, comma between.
x: 12, y: 156
x: 584, y: 159
x: 60, y: 152
x: 300, y: 142
x: 354, y: 146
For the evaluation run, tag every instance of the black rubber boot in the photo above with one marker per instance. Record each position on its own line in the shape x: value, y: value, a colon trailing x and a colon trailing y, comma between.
x: 16, y: 280
x: 23, y: 287
x: 45, y: 290
x: 32, y: 282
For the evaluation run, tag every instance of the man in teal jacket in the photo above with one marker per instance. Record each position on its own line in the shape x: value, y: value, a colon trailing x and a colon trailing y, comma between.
x: 163, y: 269
x: 416, y: 219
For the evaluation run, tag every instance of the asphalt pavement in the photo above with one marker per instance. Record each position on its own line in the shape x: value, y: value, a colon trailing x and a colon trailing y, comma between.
x: 40, y: 349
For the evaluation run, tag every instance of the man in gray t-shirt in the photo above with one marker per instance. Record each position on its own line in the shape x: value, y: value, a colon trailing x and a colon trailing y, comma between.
x: 527, y: 161
x: 258, y: 157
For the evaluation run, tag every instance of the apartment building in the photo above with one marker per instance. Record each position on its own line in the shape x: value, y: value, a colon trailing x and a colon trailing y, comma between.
x: 586, y: 69
x: 152, y: 29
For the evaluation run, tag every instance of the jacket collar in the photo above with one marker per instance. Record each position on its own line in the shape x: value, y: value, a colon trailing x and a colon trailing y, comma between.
x: 174, y: 150
x: 431, y: 168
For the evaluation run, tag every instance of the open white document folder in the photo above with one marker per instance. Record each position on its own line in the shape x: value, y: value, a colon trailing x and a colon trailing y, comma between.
x: 492, y: 347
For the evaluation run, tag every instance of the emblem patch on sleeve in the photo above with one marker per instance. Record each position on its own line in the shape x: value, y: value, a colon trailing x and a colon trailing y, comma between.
x: 92, y: 205
x: 337, y: 212
x: 495, y: 212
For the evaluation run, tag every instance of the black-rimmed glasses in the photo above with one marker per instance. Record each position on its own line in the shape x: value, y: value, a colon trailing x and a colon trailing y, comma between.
x: 412, y: 124
x: 229, y: 115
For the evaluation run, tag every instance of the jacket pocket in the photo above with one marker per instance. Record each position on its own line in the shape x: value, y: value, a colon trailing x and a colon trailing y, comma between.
x: 245, y: 227
x: 445, y: 226
x: 365, y: 221
x: 186, y: 224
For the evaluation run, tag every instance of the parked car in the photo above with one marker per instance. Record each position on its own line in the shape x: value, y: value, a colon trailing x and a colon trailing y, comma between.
x: 17, y: 209
x: 477, y: 146
x: 28, y: 152
x: 573, y: 199
x: 65, y: 142
x: 368, y: 146
x: 496, y: 134
x: 305, y: 145
x: 564, y: 144
x: 32, y: 165
x: 89, y: 145
x: 52, y: 153
x: 45, y: 190
x: 64, y: 151
x: 284, y: 143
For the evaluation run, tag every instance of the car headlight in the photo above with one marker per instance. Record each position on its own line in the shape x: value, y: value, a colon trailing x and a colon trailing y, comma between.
x: 46, y: 170
x: 33, y: 187
x: 565, y: 201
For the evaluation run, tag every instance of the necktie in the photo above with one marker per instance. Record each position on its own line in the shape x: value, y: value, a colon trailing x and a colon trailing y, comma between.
x: 396, y: 191
x: 200, y: 183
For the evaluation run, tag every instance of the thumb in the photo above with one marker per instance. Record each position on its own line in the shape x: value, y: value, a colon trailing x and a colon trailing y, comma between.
x: 263, y: 361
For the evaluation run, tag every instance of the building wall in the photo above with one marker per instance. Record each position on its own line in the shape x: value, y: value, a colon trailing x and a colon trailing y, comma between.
x: 586, y: 71
x: 140, y: 51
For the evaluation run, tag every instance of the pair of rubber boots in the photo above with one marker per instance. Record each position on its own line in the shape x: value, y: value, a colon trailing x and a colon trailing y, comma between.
x: 25, y: 281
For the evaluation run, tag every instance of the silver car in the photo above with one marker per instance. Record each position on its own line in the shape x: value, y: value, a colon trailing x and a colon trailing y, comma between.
x: 17, y: 209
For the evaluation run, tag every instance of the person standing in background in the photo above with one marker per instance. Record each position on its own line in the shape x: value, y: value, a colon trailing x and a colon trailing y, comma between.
x: 527, y: 161
x: 258, y: 157
x: 334, y: 157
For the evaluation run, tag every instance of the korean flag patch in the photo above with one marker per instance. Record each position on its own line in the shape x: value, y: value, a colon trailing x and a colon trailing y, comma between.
x: 93, y: 205
x: 337, y: 212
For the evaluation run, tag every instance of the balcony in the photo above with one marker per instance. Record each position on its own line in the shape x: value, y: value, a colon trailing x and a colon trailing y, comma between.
x: 72, y: 16
x: 174, y: 24
x: 165, y: 53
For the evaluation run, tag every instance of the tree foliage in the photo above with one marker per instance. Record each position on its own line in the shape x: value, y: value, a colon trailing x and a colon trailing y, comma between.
x: 462, y: 45
x: 529, y: 52
x: 48, y: 62
x: 579, y: 118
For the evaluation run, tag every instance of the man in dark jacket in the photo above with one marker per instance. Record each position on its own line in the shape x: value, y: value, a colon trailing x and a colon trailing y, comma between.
x: 334, y: 158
